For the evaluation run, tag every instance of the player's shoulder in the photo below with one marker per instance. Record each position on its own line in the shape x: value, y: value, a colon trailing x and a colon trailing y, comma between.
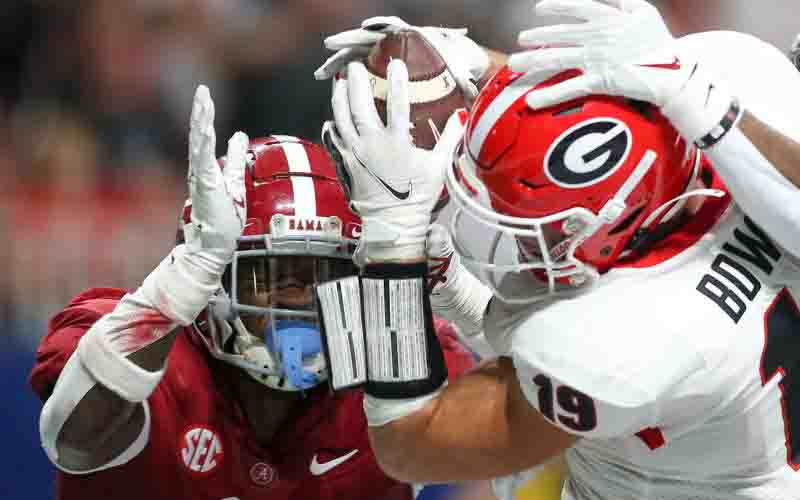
x: 623, y: 329
x: 65, y: 329
x: 612, y: 354
x: 86, y: 308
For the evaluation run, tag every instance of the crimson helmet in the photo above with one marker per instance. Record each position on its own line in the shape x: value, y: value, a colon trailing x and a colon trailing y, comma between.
x: 577, y: 186
x: 299, y: 232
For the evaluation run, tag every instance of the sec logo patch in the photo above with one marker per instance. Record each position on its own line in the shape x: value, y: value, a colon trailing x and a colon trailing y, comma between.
x: 201, y: 450
x: 588, y: 152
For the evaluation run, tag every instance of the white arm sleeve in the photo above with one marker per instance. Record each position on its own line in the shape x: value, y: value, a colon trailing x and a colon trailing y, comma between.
x: 763, y: 193
x: 174, y: 293
x: 457, y: 295
x: 72, y: 385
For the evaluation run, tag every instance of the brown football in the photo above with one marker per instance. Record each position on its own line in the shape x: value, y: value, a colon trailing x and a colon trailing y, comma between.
x: 433, y: 91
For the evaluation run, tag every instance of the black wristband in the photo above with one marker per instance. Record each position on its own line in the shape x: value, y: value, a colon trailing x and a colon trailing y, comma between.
x: 395, y: 271
x: 721, y: 130
x: 434, y: 359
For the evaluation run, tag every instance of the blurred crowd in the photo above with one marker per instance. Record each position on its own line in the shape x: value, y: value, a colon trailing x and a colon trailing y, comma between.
x: 94, y: 107
x: 94, y: 116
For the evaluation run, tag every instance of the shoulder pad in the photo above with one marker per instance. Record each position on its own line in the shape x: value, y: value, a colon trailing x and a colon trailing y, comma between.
x: 65, y: 329
x: 596, y: 366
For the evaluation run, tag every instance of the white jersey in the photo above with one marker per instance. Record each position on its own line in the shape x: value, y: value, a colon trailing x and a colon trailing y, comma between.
x: 682, y: 378
x: 679, y: 376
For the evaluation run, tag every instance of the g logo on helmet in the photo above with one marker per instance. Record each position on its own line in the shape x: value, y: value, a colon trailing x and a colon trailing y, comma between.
x: 588, y: 153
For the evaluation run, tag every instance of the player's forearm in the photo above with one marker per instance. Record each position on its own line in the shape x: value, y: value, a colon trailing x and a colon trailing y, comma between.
x: 782, y: 152
x: 496, y: 61
x: 95, y: 411
x: 104, y: 424
x: 470, y: 432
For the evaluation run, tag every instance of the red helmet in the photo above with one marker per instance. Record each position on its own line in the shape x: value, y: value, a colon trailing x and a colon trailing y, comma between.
x: 577, y: 186
x: 299, y: 232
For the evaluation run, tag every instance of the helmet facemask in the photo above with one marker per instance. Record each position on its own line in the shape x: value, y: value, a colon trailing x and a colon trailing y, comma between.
x: 299, y: 233
x: 270, y: 310
x: 546, y: 250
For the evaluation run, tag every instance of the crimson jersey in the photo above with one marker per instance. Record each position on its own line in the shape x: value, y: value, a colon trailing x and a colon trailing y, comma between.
x: 200, y: 445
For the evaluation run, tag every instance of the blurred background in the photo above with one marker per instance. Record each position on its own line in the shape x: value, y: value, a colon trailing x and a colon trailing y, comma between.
x: 94, y: 106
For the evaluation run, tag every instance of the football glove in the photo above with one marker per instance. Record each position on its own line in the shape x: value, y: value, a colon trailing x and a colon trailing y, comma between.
x: 465, y: 59
x: 392, y: 184
x: 183, y: 284
x: 622, y: 51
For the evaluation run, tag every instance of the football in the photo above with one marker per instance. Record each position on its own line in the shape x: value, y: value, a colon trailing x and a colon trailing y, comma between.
x: 432, y: 89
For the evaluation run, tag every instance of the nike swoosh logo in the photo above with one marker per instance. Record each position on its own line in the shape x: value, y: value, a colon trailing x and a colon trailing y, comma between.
x: 710, y: 89
x: 675, y: 65
x: 400, y: 195
x: 318, y: 469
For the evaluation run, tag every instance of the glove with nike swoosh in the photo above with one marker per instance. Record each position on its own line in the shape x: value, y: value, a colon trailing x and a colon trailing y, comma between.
x: 182, y: 285
x: 394, y: 187
x: 623, y: 48
x: 392, y: 184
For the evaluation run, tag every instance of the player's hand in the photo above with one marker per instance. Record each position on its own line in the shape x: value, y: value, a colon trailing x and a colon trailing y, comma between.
x: 392, y: 184
x: 467, y: 61
x: 219, y: 208
x: 626, y: 50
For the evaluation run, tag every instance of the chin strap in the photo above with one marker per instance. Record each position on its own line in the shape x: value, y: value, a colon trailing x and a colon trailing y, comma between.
x: 646, y: 236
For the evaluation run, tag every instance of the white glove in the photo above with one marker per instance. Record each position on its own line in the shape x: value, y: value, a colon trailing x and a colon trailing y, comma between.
x: 390, y: 183
x: 465, y: 59
x: 626, y: 51
x: 182, y: 285
x: 219, y: 208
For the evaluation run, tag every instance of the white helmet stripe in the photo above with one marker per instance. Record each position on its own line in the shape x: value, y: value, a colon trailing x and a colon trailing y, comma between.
x: 419, y: 92
x: 493, y: 113
x: 305, y: 197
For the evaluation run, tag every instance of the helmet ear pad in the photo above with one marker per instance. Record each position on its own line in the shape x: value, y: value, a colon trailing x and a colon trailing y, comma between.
x: 605, y: 246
